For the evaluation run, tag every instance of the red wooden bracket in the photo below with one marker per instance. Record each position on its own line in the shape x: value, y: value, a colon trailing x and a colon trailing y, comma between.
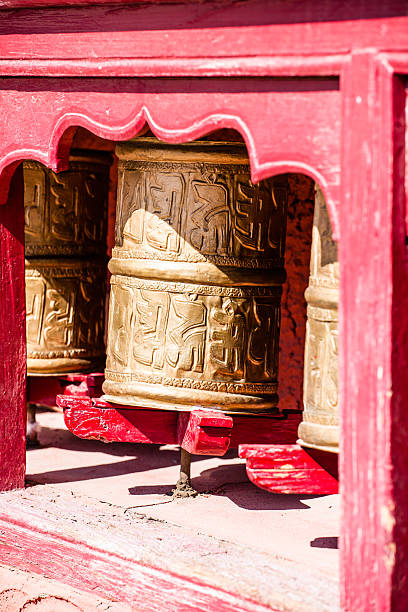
x: 289, y: 468
x: 204, y: 432
x: 83, y: 384
x: 200, y: 432
x: 95, y: 419
x: 43, y: 390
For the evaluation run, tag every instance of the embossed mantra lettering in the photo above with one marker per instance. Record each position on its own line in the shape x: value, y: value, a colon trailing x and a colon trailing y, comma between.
x: 65, y: 215
x: 197, y: 272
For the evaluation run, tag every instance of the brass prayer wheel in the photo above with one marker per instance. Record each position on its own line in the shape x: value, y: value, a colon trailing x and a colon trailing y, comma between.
x: 319, y: 427
x: 65, y: 302
x: 197, y: 273
x: 65, y: 270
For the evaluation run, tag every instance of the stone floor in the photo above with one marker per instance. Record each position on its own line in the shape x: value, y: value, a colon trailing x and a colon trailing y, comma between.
x: 298, y: 529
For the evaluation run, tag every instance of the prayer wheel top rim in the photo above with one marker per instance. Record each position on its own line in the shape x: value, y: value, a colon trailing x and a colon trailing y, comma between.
x: 86, y: 155
x: 205, y: 151
x: 78, y: 156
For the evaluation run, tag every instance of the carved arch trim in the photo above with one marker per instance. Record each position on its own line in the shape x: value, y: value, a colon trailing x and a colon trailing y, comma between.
x: 267, y: 156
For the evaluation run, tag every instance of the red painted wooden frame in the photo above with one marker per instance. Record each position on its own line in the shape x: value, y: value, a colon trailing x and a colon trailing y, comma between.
x: 318, y: 88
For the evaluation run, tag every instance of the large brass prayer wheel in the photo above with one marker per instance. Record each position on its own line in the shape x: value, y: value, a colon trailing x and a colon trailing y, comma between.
x: 319, y: 427
x: 65, y: 271
x: 197, y: 273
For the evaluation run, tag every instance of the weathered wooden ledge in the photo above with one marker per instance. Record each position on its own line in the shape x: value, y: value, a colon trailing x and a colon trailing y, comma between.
x: 124, y: 555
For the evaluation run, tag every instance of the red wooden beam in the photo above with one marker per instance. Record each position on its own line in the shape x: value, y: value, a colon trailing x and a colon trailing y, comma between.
x: 290, y: 469
x: 95, y: 419
x: 38, y: 3
x: 265, y: 430
x: 43, y: 390
x: 200, y: 432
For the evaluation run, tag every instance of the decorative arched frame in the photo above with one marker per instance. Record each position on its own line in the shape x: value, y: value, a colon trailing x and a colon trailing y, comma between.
x: 313, y: 87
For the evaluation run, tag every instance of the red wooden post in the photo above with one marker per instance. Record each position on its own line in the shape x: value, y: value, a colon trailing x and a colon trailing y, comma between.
x: 12, y: 338
x: 374, y: 343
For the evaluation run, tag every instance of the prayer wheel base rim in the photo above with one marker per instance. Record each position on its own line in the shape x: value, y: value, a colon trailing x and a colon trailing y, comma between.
x: 319, y: 437
x: 327, y: 449
x: 51, y: 367
x: 164, y: 397
x: 127, y: 400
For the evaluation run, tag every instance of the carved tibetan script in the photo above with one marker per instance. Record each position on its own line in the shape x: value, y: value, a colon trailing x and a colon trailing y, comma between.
x: 183, y: 213
x: 65, y: 214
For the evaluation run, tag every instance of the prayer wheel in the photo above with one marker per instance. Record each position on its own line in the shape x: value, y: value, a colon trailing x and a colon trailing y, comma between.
x: 65, y: 270
x: 197, y: 273
x: 319, y: 427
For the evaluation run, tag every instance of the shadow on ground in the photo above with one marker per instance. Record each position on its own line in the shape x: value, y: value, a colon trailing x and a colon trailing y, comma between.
x: 225, y: 478
x: 231, y: 481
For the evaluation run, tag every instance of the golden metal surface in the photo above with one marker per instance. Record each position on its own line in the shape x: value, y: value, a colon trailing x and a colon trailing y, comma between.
x: 197, y: 271
x: 65, y: 271
x: 319, y: 428
x: 65, y: 301
x: 65, y: 213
